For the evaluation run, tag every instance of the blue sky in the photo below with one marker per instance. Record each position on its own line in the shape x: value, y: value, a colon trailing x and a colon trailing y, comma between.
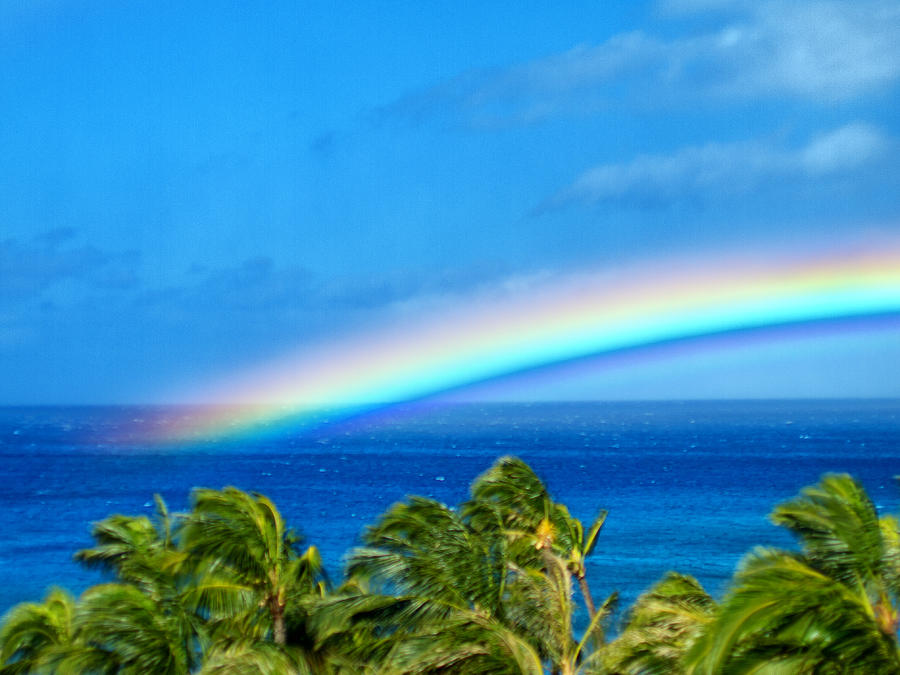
x: 187, y: 189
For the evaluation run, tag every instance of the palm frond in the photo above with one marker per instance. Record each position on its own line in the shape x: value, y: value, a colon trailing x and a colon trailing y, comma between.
x: 838, y: 527
x: 252, y: 657
x: 661, y: 626
x: 123, y: 622
x: 784, y: 606
x: 31, y: 631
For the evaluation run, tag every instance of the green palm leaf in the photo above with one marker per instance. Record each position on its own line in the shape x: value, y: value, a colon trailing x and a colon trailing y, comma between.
x: 252, y: 657
x: 831, y: 608
x: 242, y: 541
x: 423, y: 548
x: 123, y: 622
x: 661, y: 627
x: 31, y: 633
x: 509, y: 497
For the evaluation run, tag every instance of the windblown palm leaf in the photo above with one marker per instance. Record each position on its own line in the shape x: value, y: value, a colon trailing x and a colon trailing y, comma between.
x: 136, y: 549
x: 843, y: 537
x: 32, y: 633
x: 135, y: 633
x: 541, y: 607
x: 177, y: 590
x: 443, y: 603
x: 511, y: 497
x: 464, y: 643
x: 455, y: 594
x: 661, y: 627
x: 424, y: 549
x: 830, y: 609
x: 243, y: 537
x: 251, y: 657
x: 357, y: 628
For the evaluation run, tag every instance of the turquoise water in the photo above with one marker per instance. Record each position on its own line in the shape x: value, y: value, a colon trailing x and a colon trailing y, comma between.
x: 688, y: 485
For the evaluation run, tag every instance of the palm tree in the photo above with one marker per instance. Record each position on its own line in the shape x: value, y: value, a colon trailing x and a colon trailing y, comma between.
x: 135, y: 632
x: 251, y: 657
x: 444, y: 587
x: 830, y: 609
x: 243, y: 537
x: 443, y: 583
x: 136, y: 549
x: 175, y: 608
x: 527, y: 512
x: 661, y: 627
x: 33, y: 632
x: 168, y: 607
x: 165, y: 605
x: 465, y: 590
x: 542, y: 607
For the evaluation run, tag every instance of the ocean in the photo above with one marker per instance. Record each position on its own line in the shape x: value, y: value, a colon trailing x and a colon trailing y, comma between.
x: 688, y: 485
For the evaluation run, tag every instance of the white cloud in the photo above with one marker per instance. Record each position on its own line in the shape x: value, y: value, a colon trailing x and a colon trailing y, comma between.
x: 723, y: 168
x: 829, y: 51
x: 817, y: 50
x: 845, y: 148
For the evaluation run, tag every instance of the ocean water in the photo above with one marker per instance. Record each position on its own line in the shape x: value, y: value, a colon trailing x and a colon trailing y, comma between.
x: 688, y: 485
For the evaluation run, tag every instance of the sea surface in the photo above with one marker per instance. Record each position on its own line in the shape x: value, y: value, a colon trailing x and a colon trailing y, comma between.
x: 688, y: 485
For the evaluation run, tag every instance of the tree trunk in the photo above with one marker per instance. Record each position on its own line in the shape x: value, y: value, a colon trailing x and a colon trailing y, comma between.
x: 279, y: 634
x: 586, y: 592
x: 592, y: 610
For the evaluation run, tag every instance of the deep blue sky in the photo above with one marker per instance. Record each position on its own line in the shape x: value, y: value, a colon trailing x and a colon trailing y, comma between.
x: 187, y: 188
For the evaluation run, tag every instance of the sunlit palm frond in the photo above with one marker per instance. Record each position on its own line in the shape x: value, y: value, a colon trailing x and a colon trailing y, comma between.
x: 510, y: 485
x: 830, y: 608
x: 137, y: 550
x: 252, y: 657
x: 31, y: 632
x: 512, y: 495
x: 661, y: 627
x: 423, y: 548
x: 838, y: 527
x: 540, y: 608
x: 465, y: 643
x: 242, y: 540
x: 783, y: 610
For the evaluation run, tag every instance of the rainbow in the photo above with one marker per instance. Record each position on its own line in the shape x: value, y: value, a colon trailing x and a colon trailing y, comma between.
x: 550, y: 322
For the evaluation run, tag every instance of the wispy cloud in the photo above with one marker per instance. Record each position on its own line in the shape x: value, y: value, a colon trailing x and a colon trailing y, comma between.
x: 29, y: 268
x: 54, y: 271
x: 819, y: 50
x: 826, y: 51
x: 843, y: 149
x: 722, y: 168
x: 259, y: 286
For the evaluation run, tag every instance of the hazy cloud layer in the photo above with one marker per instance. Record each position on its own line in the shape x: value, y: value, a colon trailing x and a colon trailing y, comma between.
x: 29, y: 268
x: 820, y: 51
x: 716, y: 169
x: 32, y: 270
x: 261, y: 286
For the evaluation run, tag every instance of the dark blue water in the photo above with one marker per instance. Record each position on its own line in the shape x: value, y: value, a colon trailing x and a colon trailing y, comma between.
x: 688, y: 485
